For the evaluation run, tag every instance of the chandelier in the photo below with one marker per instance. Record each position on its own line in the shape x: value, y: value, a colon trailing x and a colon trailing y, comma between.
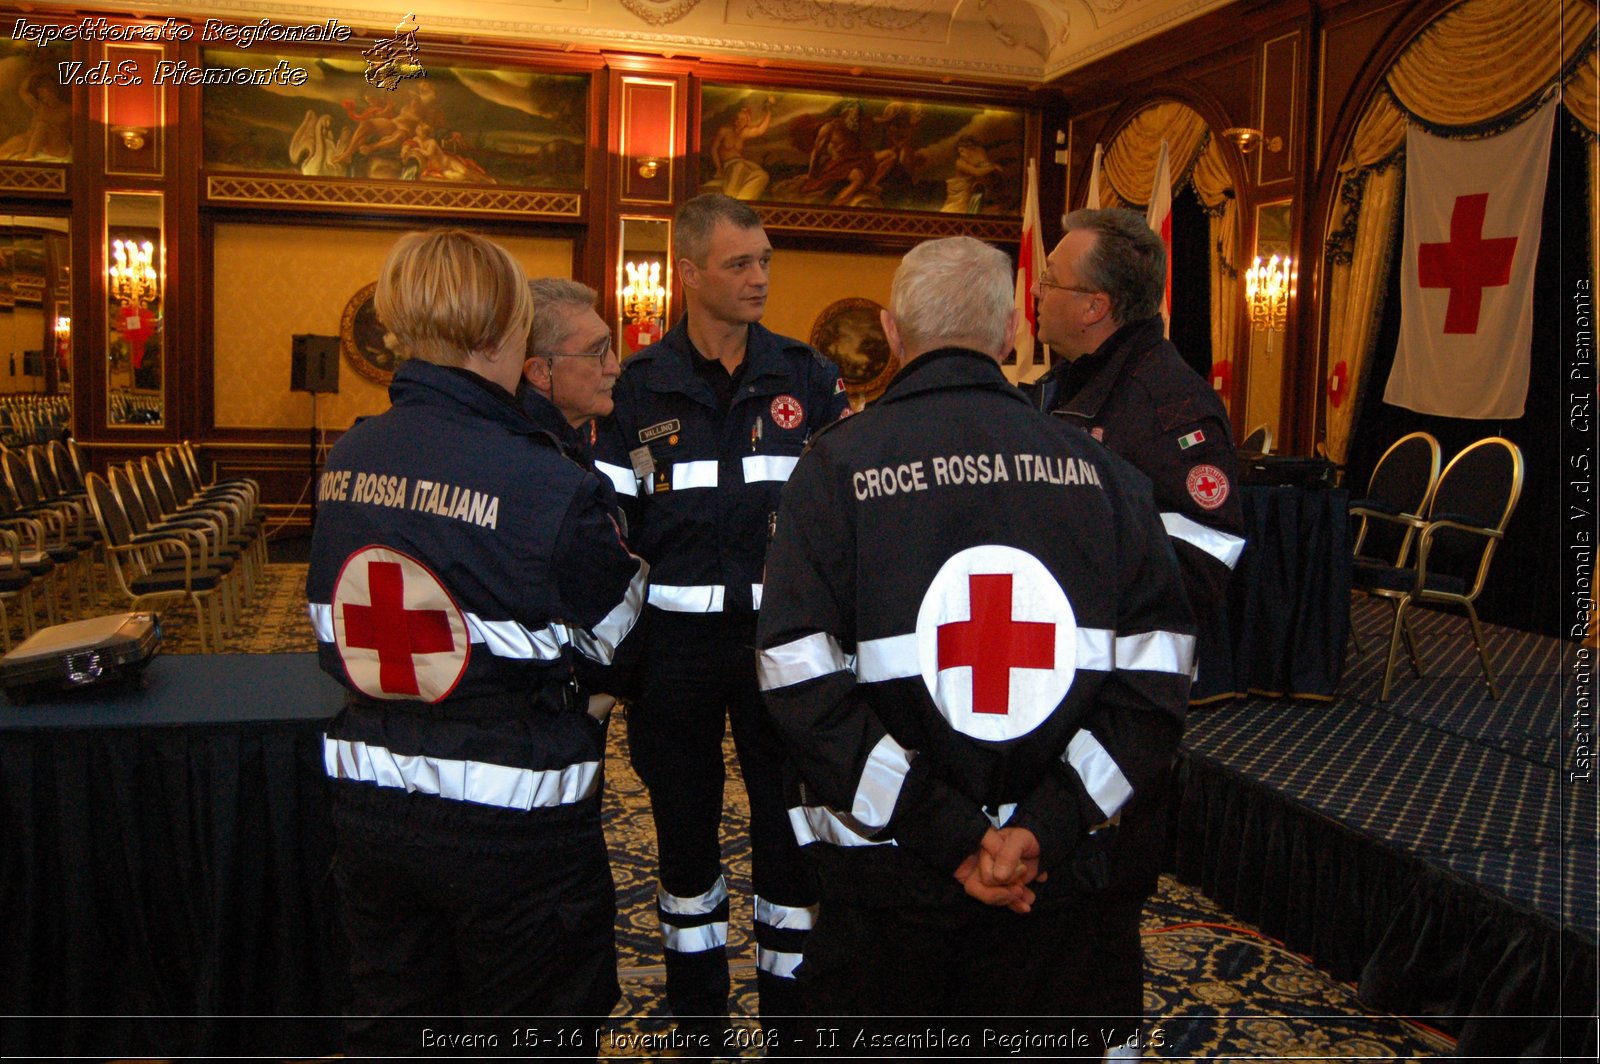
x: 1266, y: 292
x: 131, y: 279
x: 643, y: 298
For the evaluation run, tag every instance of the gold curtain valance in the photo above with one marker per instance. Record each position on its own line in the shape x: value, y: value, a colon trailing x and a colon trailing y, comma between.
x: 1581, y: 96
x: 1484, y: 59
x: 1211, y: 176
x: 1129, y: 166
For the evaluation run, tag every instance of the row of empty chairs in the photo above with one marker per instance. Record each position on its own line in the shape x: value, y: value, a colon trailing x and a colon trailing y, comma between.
x: 26, y: 419
x: 159, y: 534
x: 1426, y: 538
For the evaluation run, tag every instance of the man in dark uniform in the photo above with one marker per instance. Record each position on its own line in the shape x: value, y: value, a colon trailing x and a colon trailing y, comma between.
x: 459, y: 566
x: 571, y: 366
x: 977, y: 648
x: 1098, y: 305
x: 707, y: 426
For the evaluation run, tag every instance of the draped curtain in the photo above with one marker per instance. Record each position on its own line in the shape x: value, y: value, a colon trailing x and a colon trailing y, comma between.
x: 1458, y: 78
x: 1129, y: 170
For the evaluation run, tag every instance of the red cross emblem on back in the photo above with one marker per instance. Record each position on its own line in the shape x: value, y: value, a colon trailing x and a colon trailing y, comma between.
x: 398, y: 631
x: 997, y: 642
x: 1466, y: 264
x: 395, y: 632
x: 993, y: 643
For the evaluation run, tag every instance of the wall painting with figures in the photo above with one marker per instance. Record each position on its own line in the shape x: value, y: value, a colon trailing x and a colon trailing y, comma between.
x: 459, y: 124
x: 867, y: 152
x: 35, y: 108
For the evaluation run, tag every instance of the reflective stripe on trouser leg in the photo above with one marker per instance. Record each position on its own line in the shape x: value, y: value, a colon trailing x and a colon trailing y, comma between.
x: 694, y: 938
x: 781, y: 933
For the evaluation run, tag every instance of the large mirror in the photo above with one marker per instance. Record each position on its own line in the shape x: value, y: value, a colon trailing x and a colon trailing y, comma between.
x: 1268, y: 288
x: 35, y: 328
x: 643, y: 282
x: 136, y: 277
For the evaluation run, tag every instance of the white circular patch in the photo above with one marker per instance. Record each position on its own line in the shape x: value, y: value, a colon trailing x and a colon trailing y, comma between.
x: 787, y: 413
x: 399, y: 632
x: 997, y: 641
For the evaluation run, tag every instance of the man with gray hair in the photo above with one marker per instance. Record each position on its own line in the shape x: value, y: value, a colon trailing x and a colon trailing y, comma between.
x: 976, y: 647
x: 571, y: 365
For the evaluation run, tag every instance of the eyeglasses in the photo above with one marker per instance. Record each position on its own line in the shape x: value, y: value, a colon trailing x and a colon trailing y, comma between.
x: 599, y: 354
x: 1043, y: 284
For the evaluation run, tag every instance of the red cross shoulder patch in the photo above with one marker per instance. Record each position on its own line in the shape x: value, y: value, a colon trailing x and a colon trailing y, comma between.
x: 398, y: 631
x: 997, y: 642
x: 787, y: 413
x: 1208, y: 486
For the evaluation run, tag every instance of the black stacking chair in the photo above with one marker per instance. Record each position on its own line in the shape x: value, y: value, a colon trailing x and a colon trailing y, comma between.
x: 1259, y: 441
x: 61, y: 533
x: 73, y: 500
x: 155, y: 567
x: 205, y: 533
x: 20, y: 571
x: 1400, y: 487
x: 1455, y: 541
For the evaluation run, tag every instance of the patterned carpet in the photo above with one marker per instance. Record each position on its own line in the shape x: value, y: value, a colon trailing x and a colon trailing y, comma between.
x: 1221, y: 990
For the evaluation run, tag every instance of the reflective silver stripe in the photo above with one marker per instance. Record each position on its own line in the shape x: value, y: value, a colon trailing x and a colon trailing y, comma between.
x: 768, y: 467
x: 895, y: 657
x: 1096, y: 649
x: 816, y: 823
x: 1220, y: 545
x: 503, y: 639
x: 699, y: 905
x: 879, y: 787
x: 693, y: 475
x: 463, y: 781
x: 777, y: 964
x: 806, y: 658
x: 1156, y: 652
x: 890, y: 658
x: 785, y: 917
x: 321, y: 614
x: 687, y: 598
x: 508, y: 639
x: 695, y: 939
x: 755, y: 596
x: 600, y: 644
x: 621, y: 479
x: 1002, y: 814
x: 1099, y: 772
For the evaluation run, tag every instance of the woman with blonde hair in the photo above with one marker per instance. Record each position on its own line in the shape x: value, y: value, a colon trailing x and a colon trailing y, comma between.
x: 460, y: 569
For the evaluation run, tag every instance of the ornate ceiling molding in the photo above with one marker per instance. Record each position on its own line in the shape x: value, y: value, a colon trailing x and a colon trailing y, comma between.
x: 660, y: 12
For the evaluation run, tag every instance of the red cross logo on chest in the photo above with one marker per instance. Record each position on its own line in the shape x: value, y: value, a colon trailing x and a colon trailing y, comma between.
x: 1466, y: 264
x: 992, y: 643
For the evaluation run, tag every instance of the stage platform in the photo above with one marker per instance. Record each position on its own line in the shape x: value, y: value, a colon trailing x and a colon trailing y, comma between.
x: 1430, y: 848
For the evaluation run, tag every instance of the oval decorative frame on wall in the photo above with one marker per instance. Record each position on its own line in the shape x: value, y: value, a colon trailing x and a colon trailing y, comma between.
x: 850, y: 333
x: 362, y: 338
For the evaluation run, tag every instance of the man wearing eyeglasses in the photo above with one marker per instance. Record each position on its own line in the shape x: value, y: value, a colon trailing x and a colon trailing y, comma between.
x: 571, y: 366
x: 1123, y: 382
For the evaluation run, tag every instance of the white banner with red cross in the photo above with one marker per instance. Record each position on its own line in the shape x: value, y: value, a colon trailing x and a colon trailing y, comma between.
x: 1473, y: 210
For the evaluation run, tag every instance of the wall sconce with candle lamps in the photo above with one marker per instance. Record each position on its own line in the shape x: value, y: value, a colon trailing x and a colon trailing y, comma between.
x: 1266, y: 292
x: 131, y: 278
x: 643, y: 297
